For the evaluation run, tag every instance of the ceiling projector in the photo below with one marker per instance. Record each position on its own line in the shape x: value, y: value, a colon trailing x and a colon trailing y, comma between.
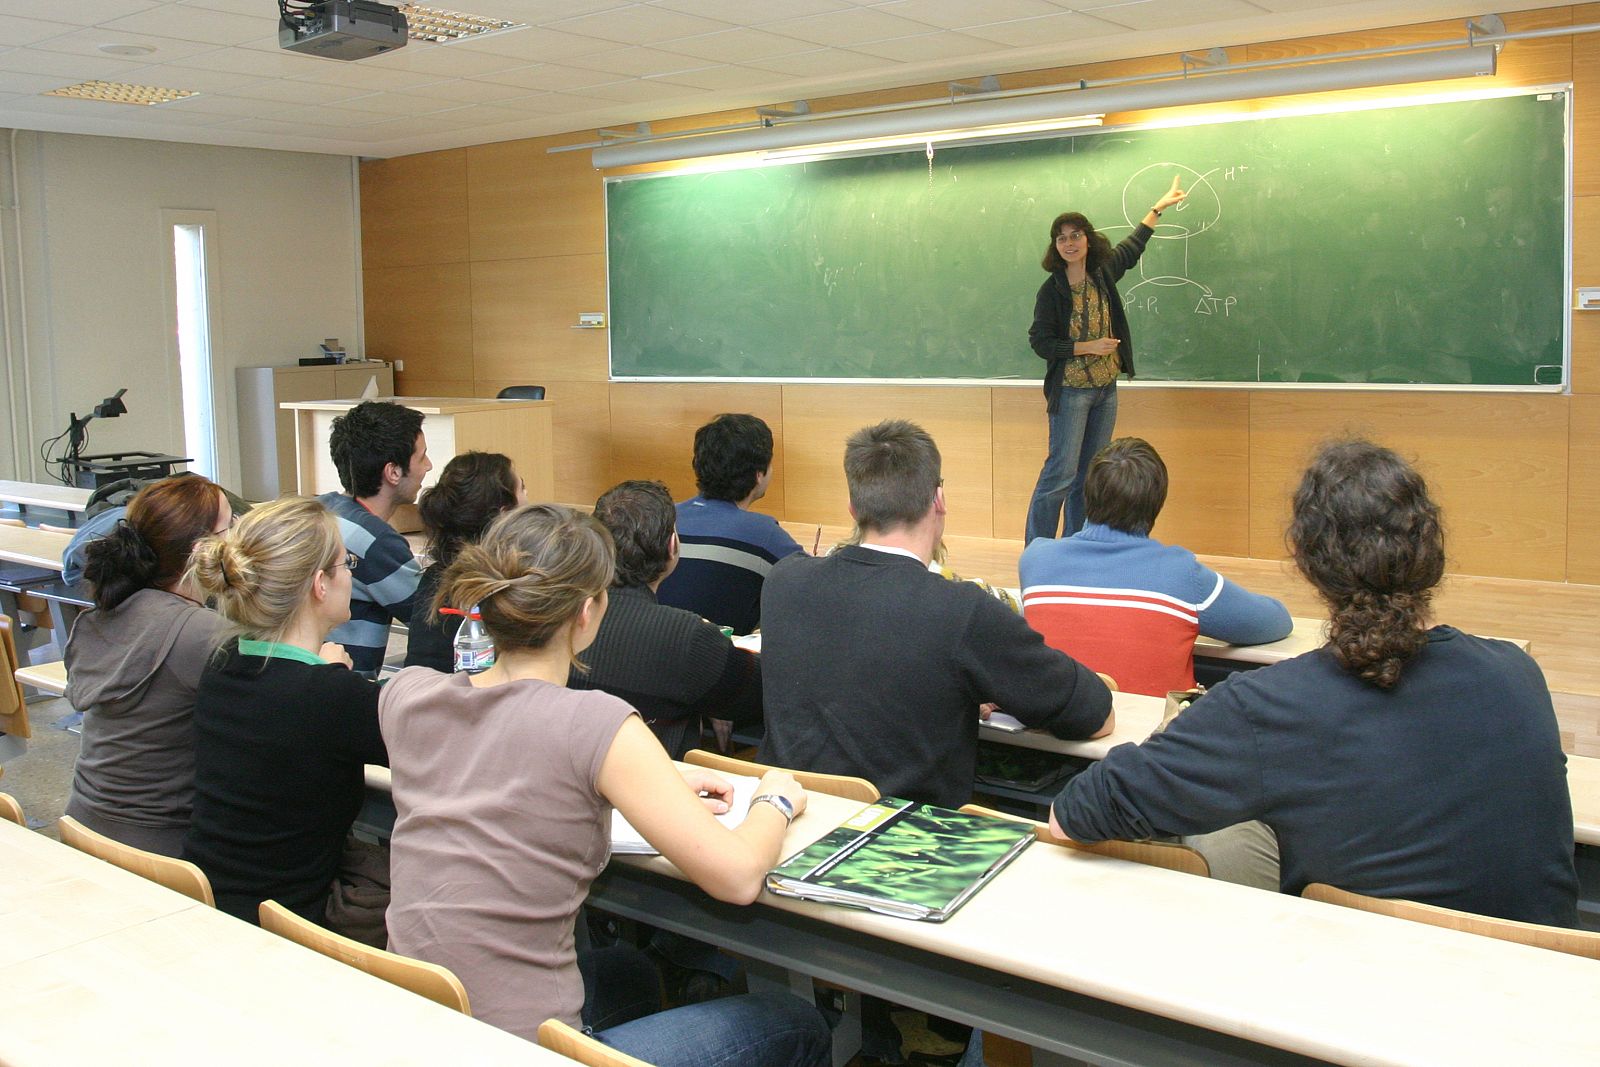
x: 340, y: 29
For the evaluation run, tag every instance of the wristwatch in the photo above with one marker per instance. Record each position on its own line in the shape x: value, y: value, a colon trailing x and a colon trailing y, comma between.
x: 782, y: 803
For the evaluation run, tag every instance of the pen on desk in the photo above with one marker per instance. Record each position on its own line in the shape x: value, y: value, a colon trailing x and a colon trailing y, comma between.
x: 817, y: 544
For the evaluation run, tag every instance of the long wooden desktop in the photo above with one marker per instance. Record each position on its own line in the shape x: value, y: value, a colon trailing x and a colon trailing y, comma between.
x: 64, y: 498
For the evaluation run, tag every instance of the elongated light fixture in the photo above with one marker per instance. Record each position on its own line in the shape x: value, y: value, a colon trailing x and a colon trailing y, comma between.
x: 1310, y: 77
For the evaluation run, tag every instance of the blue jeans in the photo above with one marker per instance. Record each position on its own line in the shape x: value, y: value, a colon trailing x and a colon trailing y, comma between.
x: 1081, y: 427
x: 754, y: 1030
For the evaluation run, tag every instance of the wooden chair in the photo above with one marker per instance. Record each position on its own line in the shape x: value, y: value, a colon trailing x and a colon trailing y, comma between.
x: 68, y: 530
x: 428, y: 980
x: 13, y: 705
x: 1111, y: 683
x: 839, y: 785
x: 178, y: 875
x: 1166, y: 855
x: 575, y: 1045
x: 1576, y: 942
x: 11, y: 811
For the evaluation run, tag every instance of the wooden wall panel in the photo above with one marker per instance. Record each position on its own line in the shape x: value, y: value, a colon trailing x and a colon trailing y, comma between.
x: 818, y: 418
x: 414, y: 210
x: 1583, y: 492
x: 1586, y: 272
x: 525, y: 202
x: 421, y: 315
x: 416, y: 385
x: 1020, y: 437
x: 1497, y: 465
x: 653, y: 425
x: 1586, y: 351
x: 523, y: 311
x: 582, y: 418
x: 1586, y: 104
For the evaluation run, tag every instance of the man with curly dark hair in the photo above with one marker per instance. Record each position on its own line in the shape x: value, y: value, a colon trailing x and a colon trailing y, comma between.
x: 727, y: 549
x: 382, y: 456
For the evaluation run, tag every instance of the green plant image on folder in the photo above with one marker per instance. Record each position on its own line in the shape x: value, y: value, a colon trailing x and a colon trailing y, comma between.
x: 902, y: 858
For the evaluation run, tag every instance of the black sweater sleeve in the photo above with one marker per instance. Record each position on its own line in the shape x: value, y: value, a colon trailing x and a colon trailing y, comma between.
x: 1009, y: 664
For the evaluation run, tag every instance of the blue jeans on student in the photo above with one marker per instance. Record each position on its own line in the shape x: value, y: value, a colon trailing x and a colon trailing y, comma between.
x: 1081, y: 427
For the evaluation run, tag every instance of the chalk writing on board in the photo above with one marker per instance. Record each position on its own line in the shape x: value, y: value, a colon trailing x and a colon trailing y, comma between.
x: 1192, y: 218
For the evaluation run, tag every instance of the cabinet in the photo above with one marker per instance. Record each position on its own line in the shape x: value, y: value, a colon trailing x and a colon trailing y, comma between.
x: 267, y: 461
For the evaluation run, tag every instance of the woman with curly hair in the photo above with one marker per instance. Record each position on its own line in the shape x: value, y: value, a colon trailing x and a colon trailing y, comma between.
x: 1404, y: 759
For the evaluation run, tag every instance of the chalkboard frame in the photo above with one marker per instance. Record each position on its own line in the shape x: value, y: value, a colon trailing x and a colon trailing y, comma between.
x: 1564, y: 385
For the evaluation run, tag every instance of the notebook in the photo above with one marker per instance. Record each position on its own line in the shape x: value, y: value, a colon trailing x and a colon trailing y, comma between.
x: 626, y: 841
x: 903, y: 858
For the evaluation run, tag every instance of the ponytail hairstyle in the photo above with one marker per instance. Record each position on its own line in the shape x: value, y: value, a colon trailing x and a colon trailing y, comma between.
x: 150, y: 546
x: 260, y: 572
x: 1099, y: 244
x: 530, y: 573
x: 473, y: 490
x: 1366, y: 534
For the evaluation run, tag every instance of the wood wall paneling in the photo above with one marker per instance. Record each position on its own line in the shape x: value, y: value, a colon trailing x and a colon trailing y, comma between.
x: 1497, y: 465
x: 1586, y: 104
x: 818, y: 418
x: 416, y: 385
x: 1583, y: 493
x: 523, y: 311
x: 582, y: 417
x: 1020, y: 437
x: 524, y: 202
x: 653, y: 425
x: 414, y: 210
x: 421, y: 315
x: 1585, y: 351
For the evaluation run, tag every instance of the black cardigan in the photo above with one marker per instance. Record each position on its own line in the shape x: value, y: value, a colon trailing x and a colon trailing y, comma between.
x: 1052, y: 311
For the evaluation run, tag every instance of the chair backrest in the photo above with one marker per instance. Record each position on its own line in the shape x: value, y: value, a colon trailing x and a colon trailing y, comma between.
x: 178, y: 875
x: 429, y: 980
x: 49, y: 528
x: 13, y: 522
x: 1166, y: 855
x: 1111, y: 683
x: 839, y: 785
x: 521, y: 392
x: 1577, y: 942
x: 575, y: 1045
x: 11, y: 811
x: 13, y: 705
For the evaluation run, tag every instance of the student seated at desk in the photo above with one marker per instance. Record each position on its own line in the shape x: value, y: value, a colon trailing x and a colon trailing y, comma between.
x: 133, y: 667
x: 674, y: 667
x: 504, y: 783
x: 473, y: 490
x: 283, y: 727
x: 874, y: 666
x: 1123, y: 603
x: 1402, y: 760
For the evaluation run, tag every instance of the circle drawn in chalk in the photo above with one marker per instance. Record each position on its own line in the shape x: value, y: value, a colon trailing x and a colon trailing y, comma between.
x: 1198, y: 213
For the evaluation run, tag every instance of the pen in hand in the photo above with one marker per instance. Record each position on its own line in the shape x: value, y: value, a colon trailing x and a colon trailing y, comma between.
x: 817, y: 544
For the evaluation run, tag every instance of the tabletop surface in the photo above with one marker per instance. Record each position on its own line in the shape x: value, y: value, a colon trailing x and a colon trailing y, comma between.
x: 36, y: 548
x: 39, y: 494
x: 428, y: 405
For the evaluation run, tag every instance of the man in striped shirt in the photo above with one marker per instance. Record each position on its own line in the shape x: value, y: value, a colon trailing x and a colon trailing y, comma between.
x: 382, y: 456
x: 1121, y: 602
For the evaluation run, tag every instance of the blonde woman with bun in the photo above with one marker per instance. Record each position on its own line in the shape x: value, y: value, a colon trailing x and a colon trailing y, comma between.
x: 504, y: 783
x: 283, y: 727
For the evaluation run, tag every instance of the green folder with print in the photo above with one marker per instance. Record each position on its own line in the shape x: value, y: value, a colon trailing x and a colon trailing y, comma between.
x: 903, y: 858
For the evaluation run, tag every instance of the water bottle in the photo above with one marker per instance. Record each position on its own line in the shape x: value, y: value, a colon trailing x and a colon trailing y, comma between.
x: 474, y: 649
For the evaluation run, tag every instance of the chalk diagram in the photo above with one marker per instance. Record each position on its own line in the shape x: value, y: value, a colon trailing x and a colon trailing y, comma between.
x: 1201, y: 211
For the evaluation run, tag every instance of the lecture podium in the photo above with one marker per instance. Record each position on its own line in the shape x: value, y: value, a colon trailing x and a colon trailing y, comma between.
x: 521, y: 429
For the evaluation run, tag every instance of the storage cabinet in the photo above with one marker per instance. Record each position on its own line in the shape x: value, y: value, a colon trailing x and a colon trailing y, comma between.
x: 267, y: 462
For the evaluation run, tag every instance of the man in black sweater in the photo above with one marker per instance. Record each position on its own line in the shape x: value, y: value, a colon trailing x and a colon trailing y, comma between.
x: 673, y: 666
x: 875, y: 666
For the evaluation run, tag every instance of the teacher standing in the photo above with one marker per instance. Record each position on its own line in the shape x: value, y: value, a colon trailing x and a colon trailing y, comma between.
x: 1081, y: 331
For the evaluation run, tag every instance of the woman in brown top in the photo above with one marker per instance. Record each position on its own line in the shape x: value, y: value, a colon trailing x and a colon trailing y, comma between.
x: 504, y: 783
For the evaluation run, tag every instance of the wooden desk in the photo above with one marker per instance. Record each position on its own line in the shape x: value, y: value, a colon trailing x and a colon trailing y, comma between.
x: 1113, y: 962
x: 1308, y: 636
x: 521, y: 429
x: 104, y: 966
x: 36, y: 548
x: 67, y: 498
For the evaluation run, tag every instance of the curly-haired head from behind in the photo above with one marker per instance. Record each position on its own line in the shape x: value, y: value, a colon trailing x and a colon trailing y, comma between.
x: 260, y: 572
x: 731, y: 453
x: 472, y: 491
x: 530, y: 574
x: 1367, y: 535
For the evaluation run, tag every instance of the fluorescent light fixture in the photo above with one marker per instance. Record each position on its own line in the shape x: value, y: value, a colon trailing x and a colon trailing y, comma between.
x: 873, y: 144
x: 1308, y: 77
x: 434, y: 24
x: 121, y: 93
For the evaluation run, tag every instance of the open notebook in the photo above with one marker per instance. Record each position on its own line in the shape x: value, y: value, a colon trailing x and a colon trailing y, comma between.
x: 626, y: 841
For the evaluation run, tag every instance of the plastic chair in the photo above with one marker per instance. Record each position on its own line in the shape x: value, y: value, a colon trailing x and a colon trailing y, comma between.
x: 1166, y: 855
x: 575, y: 1045
x: 1576, y: 942
x: 11, y: 811
x: 429, y: 980
x: 521, y: 392
x: 838, y: 785
x: 178, y: 875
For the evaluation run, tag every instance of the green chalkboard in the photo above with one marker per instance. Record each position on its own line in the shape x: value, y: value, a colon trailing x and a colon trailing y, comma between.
x: 1420, y: 244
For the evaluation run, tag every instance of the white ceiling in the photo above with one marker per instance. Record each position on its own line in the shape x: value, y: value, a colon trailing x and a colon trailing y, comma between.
x: 585, y: 64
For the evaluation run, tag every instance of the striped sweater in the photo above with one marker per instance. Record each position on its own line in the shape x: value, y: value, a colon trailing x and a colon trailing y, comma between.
x: 382, y: 587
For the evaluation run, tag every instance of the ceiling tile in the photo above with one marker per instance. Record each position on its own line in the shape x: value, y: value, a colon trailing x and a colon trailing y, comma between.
x: 88, y: 42
x: 284, y: 91
x: 1164, y: 14
x: 550, y: 76
x: 163, y: 115
x: 366, y: 76
x: 202, y: 81
x: 640, y: 24
x: 637, y: 62
x: 324, y: 116
x: 743, y: 12
x: 959, y: 14
x: 535, y: 12
x: 59, y: 64
x: 195, y: 24
x: 848, y: 28
x: 536, y: 45
x: 739, y: 46
x: 540, y: 104
x: 77, y: 12
x: 227, y: 106
x: 460, y: 91
x: 638, y: 91
x: 823, y: 61
x: 254, y: 62
x: 12, y: 82
x: 236, y: 7
x: 929, y: 46
x: 392, y: 104
x: 726, y: 76
x: 1067, y: 27
x: 441, y: 59
x: 20, y: 31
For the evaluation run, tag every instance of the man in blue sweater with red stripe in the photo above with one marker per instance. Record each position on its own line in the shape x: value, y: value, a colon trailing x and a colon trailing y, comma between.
x: 1123, y: 603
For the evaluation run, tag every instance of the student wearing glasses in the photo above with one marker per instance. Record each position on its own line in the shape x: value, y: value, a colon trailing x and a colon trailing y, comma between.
x: 283, y: 727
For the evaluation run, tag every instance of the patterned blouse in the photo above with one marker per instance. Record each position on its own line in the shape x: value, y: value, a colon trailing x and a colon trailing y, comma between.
x: 1091, y: 320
